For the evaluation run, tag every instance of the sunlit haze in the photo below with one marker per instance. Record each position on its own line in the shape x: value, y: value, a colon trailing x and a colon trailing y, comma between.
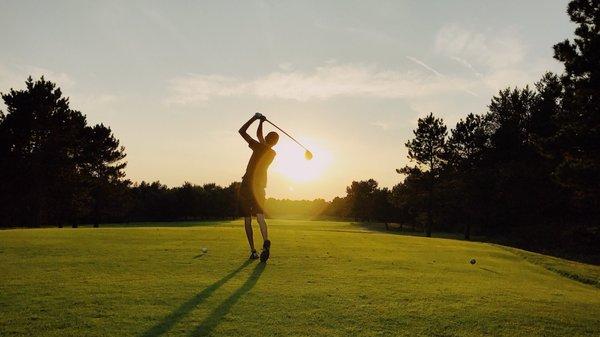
x: 176, y: 80
x: 290, y: 164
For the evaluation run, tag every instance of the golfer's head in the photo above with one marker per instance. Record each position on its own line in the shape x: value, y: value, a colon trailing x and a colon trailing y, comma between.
x: 272, y: 138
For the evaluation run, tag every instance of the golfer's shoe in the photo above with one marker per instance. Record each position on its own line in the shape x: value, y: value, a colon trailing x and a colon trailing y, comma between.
x: 264, y: 255
x: 253, y: 255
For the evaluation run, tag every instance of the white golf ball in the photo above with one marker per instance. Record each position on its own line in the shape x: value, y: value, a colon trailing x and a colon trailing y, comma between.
x: 204, y: 249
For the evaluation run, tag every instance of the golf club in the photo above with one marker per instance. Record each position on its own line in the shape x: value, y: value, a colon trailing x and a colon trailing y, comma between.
x: 308, y: 155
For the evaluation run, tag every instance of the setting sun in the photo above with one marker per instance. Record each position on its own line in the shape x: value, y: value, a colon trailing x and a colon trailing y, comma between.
x: 291, y: 163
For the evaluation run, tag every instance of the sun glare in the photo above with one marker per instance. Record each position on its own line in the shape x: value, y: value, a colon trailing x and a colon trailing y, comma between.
x: 290, y: 161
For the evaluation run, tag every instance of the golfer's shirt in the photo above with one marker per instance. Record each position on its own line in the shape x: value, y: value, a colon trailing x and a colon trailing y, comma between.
x: 256, y: 171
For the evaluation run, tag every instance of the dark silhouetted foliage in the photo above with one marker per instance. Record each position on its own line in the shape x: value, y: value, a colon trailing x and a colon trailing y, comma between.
x: 428, y: 150
x: 527, y: 171
x: 54, y: 168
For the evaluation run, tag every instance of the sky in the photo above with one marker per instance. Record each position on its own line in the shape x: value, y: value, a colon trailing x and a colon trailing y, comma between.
x: 176, y: 79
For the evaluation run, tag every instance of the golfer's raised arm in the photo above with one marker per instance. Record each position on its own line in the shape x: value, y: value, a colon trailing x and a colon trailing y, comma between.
x: 244, y: 129
x: 259, y: 131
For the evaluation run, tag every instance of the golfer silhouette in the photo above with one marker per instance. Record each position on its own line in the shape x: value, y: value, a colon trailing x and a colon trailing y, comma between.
x: 252, y: 190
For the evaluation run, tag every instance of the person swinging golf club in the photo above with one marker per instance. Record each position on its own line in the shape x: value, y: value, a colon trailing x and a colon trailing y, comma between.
x: 254, y: 181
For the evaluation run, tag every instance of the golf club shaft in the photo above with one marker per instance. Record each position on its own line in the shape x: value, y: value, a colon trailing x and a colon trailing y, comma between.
x: 287, y: 134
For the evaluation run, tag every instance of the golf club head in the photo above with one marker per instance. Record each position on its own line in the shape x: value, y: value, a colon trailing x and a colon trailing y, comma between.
x: 308, y: 155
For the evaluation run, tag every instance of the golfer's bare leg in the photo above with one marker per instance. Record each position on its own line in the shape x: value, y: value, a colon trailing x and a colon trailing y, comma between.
x: 263, y: 226
x: 249, y: 233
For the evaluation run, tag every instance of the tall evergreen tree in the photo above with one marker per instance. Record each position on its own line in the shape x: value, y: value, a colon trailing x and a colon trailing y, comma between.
x: 466, y: 176
x: 579, y: 133
x: 54, y: 167
x: 427, y: 150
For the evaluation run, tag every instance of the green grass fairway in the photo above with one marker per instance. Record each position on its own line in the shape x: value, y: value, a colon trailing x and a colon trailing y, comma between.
x: 324, y: 278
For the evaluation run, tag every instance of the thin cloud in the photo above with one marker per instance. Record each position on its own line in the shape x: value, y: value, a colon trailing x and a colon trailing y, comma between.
x: 422, y: 64
x: 197, y: 88
x: 498, y: 59
x: 501, y: 55
x: 14, y: 76
x: 467, y: 65
x: 382, y: 125
x: 324, y: 82
x: 437, y: 73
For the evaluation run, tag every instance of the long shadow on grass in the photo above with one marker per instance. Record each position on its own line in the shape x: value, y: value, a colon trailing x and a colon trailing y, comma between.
x: 168, y: 322
x: 207, y: 326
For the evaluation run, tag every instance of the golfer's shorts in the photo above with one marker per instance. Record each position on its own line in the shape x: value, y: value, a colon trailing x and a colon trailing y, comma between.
x: 251, y: 200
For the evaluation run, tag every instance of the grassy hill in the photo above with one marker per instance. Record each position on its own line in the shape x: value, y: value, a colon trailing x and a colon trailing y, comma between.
x: 324, y: 278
